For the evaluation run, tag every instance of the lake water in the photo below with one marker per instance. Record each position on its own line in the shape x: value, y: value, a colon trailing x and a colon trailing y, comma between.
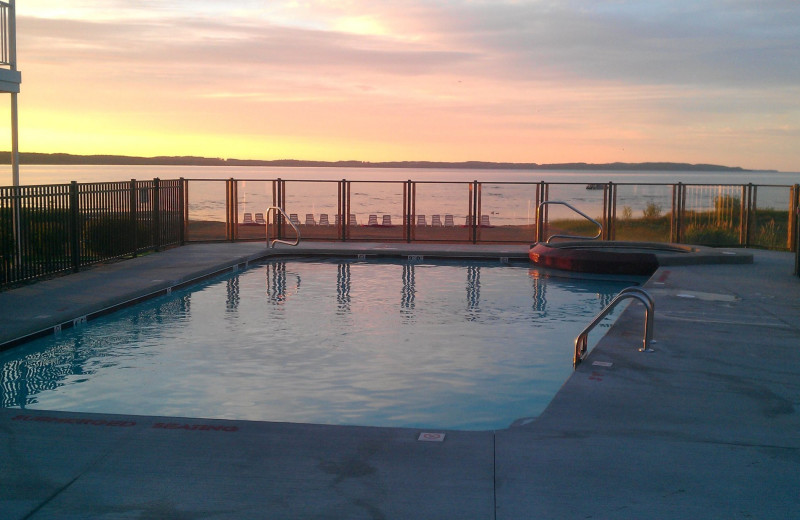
x: 58, y: 174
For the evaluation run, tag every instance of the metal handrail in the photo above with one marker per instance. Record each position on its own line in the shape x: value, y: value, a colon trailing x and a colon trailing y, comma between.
x: 581, y: 342
x: 271, y: 244
x: 540, y: 223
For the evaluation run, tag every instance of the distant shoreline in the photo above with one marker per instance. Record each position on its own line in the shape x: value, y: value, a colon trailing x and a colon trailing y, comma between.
x: 68, y: 159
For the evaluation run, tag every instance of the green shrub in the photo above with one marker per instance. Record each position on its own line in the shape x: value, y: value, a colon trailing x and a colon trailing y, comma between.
x: 770, y: 236
x: 730, y: 203
x: 710, y: 235
x: 627, y: 213
x: 652, y: 211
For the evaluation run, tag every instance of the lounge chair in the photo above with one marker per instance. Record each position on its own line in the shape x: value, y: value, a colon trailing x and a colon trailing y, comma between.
x: 293, y: 218
x: 373, y: 220
x: 323, y: 219
x: 436, y: 220
x: 448, y: 221
x: 387, y: 220
x: 260, y: 219
x: 248, y: 219
x: 353, y: 221
x: 421, y: 221
x: 485, y: 221
x: 310, y: 220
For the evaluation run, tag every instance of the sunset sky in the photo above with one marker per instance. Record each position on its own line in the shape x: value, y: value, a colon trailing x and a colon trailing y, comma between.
x: 450, y: 80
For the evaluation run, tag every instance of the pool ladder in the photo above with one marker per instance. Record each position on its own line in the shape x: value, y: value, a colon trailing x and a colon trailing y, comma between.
x: 581, y: 342
x: 271, y: 243
x: 540, y: 222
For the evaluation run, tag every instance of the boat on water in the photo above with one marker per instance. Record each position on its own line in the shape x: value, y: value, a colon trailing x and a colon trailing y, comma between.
x: 595, y: 186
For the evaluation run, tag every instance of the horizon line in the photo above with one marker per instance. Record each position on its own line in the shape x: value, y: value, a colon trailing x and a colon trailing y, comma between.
x: 192, y: 160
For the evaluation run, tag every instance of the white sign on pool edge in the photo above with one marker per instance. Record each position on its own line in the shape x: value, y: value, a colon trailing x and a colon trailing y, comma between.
x: 431, y: 437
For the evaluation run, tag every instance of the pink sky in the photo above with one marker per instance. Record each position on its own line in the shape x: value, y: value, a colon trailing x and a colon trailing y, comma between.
x: 518, y: 81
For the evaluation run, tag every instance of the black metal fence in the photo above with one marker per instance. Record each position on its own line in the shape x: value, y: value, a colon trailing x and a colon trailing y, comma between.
x: 796, y: 218
x: 50, y: 229
x: 57, y: 228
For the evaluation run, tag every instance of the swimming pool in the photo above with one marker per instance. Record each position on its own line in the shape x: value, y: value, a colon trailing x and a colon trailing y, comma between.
x: 445, y: 344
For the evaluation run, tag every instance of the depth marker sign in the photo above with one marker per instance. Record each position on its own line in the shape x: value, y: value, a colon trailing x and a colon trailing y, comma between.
x: 431, y: 437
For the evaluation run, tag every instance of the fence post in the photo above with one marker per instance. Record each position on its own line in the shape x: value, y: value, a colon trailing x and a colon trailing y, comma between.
x: 743, y: 216
x: 678, y: 206
x: 673, y: 229
x: 74, y: 226
x: 235, y: 209
x: 747, y: 209
x: 609, y: 211
x: 228, y: 229
x: 412, y: 204
x: 613, y: 227
x: 16, y: 222
x: 346, y: 216
x: 281, y: 203
x: 478, y: 210
x: 473, y: 224
x: 794, y: 217
x: 470, y: 209
x: 134, y: 219
x: 541, y: 211
x: 182, y: 209
x: 794, y: 207
x: 156, y: 213
x: 407, y: 210
x: 604, y: 219
x: 278, y: 222
x: 339, y: 209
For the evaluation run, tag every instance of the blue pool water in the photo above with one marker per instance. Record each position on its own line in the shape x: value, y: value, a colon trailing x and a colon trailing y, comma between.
x: 448, y: 344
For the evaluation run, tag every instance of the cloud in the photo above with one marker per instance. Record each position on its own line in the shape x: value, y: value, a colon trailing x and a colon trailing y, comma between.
x: 699, y: 43
x: 481, y: 70
x: 702, y: 43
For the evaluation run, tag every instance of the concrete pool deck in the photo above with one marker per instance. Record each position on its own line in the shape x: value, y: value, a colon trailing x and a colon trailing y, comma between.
x: 706, y: 426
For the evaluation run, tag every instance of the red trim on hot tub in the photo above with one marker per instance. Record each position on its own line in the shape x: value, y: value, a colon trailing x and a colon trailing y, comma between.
x: 591, y: 260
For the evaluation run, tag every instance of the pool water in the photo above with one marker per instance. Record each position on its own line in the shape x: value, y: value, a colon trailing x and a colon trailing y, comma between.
x: 458, y: 345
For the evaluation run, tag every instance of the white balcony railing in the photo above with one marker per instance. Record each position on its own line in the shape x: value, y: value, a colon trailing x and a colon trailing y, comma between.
x: 5, y: 33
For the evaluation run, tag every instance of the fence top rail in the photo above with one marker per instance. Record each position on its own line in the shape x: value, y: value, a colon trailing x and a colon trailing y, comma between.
x: 140, y: 183
x: 531, y: 183
x: 332, y: 181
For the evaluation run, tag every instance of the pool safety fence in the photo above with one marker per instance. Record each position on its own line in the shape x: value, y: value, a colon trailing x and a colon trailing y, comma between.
x: 49, y: 229
x: 795, y: 240
x: 57, y: 228
x: 497, y: 212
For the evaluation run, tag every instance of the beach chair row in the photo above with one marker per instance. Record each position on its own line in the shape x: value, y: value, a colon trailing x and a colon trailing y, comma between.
x: 310, y: 221
x: 436, y: 220
x: 422, y: 221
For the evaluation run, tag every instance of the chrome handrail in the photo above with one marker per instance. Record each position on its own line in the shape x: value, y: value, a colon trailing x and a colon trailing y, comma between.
x: 540, y: 223
x: 289, y: 220
x: 581, y: 342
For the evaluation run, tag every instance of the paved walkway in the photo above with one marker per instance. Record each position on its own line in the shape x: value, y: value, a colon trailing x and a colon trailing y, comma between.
x: 704, y: 427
